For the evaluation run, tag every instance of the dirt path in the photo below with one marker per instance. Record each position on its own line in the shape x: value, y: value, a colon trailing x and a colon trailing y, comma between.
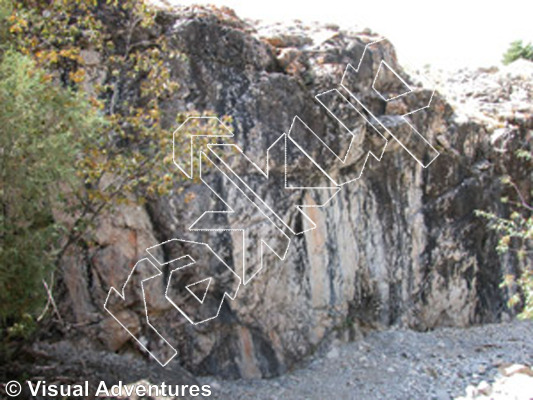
x: 398, y: 365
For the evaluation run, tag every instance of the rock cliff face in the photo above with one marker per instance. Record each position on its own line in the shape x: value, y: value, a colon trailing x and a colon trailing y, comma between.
x: 399, y: 246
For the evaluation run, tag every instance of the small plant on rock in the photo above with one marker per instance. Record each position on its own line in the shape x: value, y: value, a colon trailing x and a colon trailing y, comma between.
x: 518, y: 50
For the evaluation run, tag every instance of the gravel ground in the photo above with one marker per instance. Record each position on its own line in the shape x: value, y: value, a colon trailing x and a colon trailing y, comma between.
x: 397, y: 364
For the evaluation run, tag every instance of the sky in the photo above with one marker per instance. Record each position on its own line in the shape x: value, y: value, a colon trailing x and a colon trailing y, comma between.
x: 444, y: 34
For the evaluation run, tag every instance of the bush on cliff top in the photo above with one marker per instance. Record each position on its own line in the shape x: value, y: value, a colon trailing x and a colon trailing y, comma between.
x: 518, y: 50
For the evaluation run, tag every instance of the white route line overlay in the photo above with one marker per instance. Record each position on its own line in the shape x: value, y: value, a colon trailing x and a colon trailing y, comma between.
x: 123, y: 297
x: 403, y: 116
x: 201, y: 300
x: 230, y: 211
x: 336, y: 188
x: 187, y: 287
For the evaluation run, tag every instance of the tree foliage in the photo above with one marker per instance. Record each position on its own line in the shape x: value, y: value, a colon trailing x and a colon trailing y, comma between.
x: 133, y: 60
x: 43, y: 128
x: 518, y: 50
x: 83, y: 82
x: 516, y: 237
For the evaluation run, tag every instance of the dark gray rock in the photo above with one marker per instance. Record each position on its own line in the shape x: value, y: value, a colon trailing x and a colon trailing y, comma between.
x: 400, y: 246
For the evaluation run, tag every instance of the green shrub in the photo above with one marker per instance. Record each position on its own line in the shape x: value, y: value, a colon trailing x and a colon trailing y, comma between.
x: 43, y: 128
x: 518, y: 50
x: 73, y: 146
x: 516, y: 236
